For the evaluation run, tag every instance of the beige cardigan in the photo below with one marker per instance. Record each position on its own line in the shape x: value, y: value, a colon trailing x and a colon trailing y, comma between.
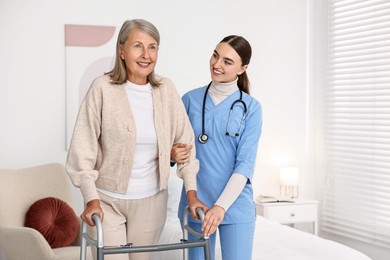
x: 103, y: 142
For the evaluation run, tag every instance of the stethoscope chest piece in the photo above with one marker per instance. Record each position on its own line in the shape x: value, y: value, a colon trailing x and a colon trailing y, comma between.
x: 203, y: 138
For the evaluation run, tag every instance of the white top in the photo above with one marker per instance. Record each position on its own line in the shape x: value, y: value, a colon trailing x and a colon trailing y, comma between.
x: 144, y: 174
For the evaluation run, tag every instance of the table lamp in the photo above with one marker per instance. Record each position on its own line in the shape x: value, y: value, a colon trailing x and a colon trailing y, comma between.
x: 289, y: 179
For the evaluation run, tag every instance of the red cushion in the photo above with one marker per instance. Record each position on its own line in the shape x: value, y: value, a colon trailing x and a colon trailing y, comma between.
x: 55, y: 220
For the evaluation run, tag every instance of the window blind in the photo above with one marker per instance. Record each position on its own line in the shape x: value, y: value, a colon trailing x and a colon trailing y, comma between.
x: 357, y: 121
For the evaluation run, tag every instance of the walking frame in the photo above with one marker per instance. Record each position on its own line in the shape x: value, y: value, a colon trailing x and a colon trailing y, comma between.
x: 184, y: 244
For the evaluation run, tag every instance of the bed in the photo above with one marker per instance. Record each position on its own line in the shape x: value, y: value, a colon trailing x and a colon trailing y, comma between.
x: 273, y: 241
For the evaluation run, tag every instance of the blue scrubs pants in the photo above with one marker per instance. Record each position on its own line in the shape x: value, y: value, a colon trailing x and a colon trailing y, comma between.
x: 236, y: 241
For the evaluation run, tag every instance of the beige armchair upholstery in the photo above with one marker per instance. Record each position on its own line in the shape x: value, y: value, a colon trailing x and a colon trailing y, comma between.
x: 19, y: 189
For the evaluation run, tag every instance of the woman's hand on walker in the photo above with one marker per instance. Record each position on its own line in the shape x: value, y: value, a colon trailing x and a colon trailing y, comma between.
x: 92, y: 207
x: 194, y: 203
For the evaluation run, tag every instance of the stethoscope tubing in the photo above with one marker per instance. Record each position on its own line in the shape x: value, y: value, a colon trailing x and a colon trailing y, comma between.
x: 203, y: 137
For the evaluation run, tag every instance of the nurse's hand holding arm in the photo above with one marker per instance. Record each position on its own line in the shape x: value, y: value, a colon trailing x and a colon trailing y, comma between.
x: 180, y: 153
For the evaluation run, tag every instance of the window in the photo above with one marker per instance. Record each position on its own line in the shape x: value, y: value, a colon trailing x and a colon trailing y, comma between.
x: 357, y: 121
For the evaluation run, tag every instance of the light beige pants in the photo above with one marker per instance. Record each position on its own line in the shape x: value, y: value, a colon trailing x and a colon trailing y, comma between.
x: 138, y: 221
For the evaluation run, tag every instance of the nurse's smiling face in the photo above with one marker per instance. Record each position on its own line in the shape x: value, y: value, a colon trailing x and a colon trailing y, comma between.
x: 225, y: 64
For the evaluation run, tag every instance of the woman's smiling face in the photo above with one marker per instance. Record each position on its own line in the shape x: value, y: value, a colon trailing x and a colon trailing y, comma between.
x: 140, y: 53
x: 225, y: 64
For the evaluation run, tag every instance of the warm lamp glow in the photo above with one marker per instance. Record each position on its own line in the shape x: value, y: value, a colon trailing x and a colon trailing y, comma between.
x: 289, y: 180
x: 289, y: 176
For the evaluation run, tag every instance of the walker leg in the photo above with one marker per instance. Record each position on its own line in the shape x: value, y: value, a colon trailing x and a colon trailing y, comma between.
x: 83, y: 250
x: 207, y: 251
x: 99, y: 252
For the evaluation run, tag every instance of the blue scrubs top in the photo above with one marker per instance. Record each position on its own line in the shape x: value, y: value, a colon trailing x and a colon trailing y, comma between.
x: 224, y: 155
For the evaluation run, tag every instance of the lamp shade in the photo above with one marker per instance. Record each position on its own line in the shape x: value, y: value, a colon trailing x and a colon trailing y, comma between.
x: 289, y: 176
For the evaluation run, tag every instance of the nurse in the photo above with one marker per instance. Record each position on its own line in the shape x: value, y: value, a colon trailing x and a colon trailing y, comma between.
x: 227, y: 122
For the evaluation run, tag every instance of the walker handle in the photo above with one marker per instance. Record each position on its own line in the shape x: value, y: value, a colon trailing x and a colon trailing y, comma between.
x: 200, y: 213
x: 186, y: 227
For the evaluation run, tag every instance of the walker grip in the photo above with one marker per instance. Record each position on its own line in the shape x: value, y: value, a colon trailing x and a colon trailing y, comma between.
x: 200, y: 213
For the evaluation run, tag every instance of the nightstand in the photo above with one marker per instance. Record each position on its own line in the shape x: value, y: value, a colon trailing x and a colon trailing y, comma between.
x: 299, y: 211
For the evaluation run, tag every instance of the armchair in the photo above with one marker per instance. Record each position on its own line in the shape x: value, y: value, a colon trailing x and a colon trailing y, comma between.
x: 19, y: 189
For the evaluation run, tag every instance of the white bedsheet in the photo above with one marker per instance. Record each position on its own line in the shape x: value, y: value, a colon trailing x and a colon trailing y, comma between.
x: 273, y: 241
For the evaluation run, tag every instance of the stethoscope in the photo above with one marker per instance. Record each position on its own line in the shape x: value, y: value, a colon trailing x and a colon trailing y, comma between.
x: 203, y: 137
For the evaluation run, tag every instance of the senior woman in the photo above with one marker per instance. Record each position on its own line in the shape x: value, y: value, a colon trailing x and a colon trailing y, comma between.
x: 120, y: 151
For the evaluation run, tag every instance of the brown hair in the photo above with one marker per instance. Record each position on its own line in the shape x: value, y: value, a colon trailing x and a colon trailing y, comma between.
x: 118, y: 74
x: 244, y: 50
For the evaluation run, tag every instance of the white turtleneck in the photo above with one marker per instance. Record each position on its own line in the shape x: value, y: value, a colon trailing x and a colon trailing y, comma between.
x: 218, y: 93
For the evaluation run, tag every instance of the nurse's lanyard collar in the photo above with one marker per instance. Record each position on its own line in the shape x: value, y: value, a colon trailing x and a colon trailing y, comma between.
x: 203, y: 137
